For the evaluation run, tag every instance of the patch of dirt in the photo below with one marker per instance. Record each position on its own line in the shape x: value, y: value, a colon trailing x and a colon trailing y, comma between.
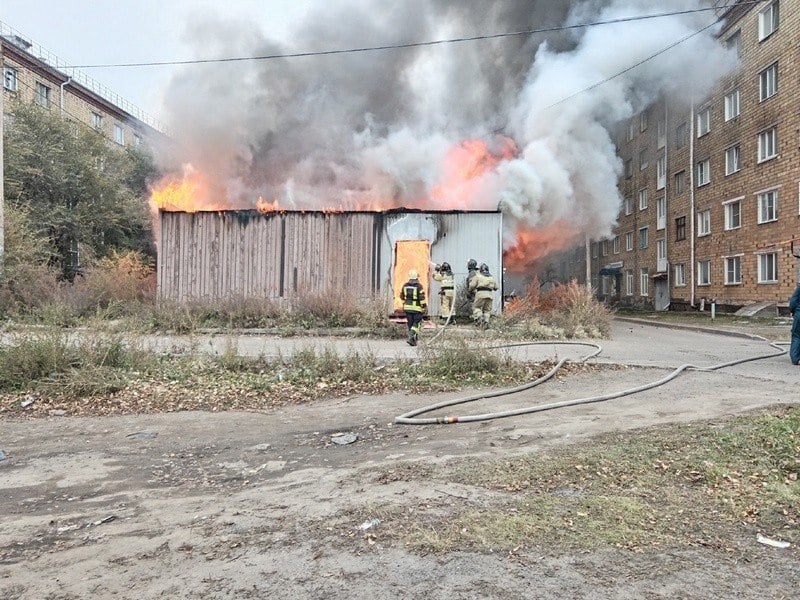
x: 257, y: 504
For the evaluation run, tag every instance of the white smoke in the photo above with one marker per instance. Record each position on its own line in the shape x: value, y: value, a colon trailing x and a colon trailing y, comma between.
x: 375, y: 127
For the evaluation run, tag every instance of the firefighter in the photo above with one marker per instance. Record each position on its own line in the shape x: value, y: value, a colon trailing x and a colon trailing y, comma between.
x: 413, y: 297
x: 444, y: 275
x: 472, y: 271
x: 483, y: 286
x: 794, y: 307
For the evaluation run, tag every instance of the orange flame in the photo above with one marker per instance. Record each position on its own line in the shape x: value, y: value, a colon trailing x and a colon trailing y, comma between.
x: 464, y: 166
x: 191, y: 192
x: 267, y: 207
x: 532, y: 244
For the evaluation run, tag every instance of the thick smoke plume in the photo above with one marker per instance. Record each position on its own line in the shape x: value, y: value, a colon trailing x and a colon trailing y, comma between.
x: 380, y: 128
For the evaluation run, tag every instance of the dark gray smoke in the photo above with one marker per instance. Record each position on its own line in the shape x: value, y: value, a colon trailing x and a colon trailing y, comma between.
x: 359, y: 128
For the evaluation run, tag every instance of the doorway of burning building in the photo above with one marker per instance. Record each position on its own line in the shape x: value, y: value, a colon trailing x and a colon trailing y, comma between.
x: 411, y: 254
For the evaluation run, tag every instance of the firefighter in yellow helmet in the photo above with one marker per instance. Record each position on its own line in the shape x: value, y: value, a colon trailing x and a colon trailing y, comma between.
x: 413, y: 297
x: 484, y: 286
x: 444, y: 275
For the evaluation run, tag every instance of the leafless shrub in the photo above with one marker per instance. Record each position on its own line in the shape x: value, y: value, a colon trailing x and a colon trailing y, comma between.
x: 567, y: 310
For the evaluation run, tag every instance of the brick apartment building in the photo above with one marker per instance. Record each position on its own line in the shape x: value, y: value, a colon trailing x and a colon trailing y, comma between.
x: 712, y: 189
x: 32, y: 74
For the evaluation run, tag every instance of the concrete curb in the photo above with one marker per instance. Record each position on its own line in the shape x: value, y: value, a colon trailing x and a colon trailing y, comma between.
x: 696, y: 328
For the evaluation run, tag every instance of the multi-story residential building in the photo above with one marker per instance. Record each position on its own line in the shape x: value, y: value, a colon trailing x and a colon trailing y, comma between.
x: 32, y: 74
x: 712, y: 189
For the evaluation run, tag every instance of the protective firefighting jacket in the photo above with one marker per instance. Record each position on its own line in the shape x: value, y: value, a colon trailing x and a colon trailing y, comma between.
x: 447, y: 281
x: 482, y: 285
x: 413, y: 296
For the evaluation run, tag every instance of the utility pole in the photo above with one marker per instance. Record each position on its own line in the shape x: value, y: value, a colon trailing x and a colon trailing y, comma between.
x: 588, y: 250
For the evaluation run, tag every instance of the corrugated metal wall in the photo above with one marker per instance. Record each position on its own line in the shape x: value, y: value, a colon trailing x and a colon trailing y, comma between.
x: 219, y: 255
x: 458, y: 236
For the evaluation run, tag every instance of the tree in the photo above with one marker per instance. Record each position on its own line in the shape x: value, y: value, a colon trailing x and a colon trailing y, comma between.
x: 80, y: 189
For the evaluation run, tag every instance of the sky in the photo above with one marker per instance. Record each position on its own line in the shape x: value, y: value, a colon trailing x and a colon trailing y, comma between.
x: 114, y: 31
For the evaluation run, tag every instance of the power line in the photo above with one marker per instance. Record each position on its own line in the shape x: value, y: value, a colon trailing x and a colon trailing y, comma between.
x: 641, y: 62
x: 411, y: 44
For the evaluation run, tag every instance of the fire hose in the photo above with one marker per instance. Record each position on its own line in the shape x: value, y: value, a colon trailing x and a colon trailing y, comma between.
x: 411, y: 417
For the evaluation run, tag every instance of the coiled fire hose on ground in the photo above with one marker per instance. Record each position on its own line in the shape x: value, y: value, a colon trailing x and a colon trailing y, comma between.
x: 411, y: 417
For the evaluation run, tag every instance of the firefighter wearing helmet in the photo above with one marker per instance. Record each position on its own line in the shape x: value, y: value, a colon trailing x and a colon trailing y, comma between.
x: 413, y: 297
x: 444, y: 275
x: 483, y: 285
x: 472, y: 270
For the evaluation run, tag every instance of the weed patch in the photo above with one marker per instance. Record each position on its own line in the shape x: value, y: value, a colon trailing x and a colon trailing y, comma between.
x: 681, y: 486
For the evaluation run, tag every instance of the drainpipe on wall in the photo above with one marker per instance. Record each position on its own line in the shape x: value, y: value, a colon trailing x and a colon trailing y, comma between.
x: 61, y: 98
x: 691, y: 202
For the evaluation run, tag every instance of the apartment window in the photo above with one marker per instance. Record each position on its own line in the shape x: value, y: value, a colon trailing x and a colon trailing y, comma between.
x: 42, y: 95
x: 734, y: 43
x: 703, y: 172
x: 661, y: 172
x: 643, y: 121
x: 631, y: 131
x: 629, y: 168
x: 680, y: 182
x: 768, y: 267
x: 97, y: 120
x: 768, y: 82
x: 768, y: 144
x: 661, y: 212
x: 643, y: 160
x: 733, y: 214
x: 732, y: 105
x: 628, y: 205
x: 768, y: 206
x: 642, y: 198
x: 594, y: 249
x: 137, y: 140
x: 768, y: 20
x: 629, y: 282
x: 10, y: 81
x: 643, y: 238
x: 604, y: 248
x: 615, y: 244
x: 703, y: 121
x: 661, y: 251
x: 733, y: 270
x: 119, y: 134
x: 680, y: 275
x: 704, y: 272
x: 703, y: 223
x: 732, y: 160
x: 662, y: 133
x: 681, y: 136
x: 680, y: 229
x: 629, y: 241
x: 644, y: 281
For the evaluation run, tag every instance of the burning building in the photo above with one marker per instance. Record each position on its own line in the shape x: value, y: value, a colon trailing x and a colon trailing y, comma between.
x: 282, y: 255
x: 359, y: 141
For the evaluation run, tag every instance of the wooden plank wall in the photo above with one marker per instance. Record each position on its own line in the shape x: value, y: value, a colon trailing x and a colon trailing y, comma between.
x: 246, y: 254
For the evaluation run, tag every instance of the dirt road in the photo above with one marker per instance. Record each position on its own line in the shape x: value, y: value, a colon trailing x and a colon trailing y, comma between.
x: 257, y: 505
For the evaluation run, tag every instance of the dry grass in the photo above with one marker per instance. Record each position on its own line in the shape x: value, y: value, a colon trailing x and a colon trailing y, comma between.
x: 668, y: 487
x: 563, y: 311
